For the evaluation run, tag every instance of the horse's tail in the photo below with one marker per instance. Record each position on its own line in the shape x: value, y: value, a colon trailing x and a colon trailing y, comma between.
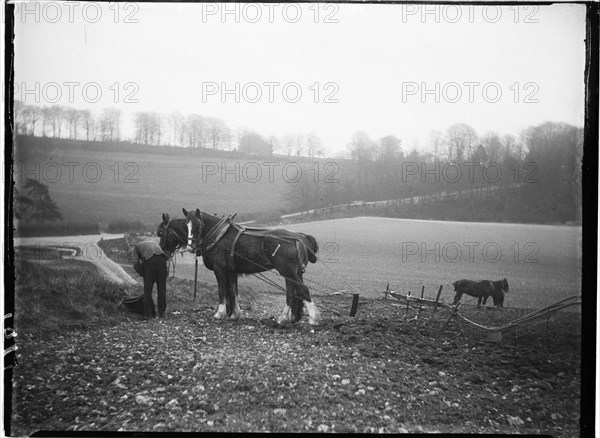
x: 313, y: 248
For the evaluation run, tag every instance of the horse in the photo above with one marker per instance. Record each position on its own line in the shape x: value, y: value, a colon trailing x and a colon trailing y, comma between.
x: 229, y: 250
x: 173, y: 235
x: 482, y: 290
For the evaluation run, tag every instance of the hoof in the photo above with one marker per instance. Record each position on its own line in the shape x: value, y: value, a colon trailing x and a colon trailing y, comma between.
x: 237, y: 313
x: 285, y: 317
x: 221, y: 312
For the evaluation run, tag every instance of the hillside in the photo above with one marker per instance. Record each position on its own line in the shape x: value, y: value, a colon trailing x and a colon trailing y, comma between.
x: 123, y: 186
x: 104, y: 182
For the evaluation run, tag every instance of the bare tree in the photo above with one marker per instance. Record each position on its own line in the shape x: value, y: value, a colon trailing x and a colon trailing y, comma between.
x: 29, y: 116
x: 87, y: 121
x: 175, y: 121
x: 460, y: 139
x: 512, y: 147
x: 313, y: 143
x: 194, y: 129
x: 362, y: 150
x: 46, y: 119
x: 215, y: 129
x: 148, y: 128
x: 300, y: 144
x: 156, y: 127
x: 390, y: 148
x: 19, y: 121
x: 436, y: 140
x: 73, y: 117
x: 274, y: 142
x: 56, y: 115
x: 493, y: 146
x: 289, y: 142
x: 110, y: 122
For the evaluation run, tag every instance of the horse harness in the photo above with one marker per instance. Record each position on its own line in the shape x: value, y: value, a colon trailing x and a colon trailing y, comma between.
x: 219, y: 230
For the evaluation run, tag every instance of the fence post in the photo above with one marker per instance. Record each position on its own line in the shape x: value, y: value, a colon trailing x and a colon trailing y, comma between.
x: 421, y: 302
x: 437, y: 300
x: 407, y: 305
x: 354, y: 307
x: 195, y: 277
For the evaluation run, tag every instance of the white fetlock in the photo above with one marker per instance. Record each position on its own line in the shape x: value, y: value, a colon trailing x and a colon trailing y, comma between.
x: 314, y: 316
x: 237, y: 313
x: 285, y: 316
x: 221, y: 312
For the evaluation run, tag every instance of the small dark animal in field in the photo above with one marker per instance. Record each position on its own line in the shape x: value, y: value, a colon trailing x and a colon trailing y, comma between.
x: 482, y: 290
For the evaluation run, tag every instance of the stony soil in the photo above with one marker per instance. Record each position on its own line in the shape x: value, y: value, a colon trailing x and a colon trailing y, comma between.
x: 375, y: 372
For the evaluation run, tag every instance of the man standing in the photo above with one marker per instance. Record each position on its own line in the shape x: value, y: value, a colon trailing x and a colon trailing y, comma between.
x: 154, y: 270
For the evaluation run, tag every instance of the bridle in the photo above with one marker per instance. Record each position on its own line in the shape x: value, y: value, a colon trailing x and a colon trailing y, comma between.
x: 164, y: 231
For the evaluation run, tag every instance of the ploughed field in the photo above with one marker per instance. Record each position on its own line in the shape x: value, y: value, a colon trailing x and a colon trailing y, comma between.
x: 376, y: 372
x: 542, y: 263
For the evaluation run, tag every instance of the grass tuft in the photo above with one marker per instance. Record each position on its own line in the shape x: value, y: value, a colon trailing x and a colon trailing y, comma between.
x: 61, y: 296
x: 70, y: 295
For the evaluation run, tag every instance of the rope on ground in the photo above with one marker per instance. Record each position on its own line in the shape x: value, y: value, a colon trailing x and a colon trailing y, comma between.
x: 567, y: 302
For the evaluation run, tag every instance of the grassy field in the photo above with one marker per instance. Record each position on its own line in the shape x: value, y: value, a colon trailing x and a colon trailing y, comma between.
x: 100, y: 186
x: 542, y: 263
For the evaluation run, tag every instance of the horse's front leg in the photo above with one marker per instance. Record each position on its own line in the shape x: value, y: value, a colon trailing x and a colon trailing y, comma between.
x: 222, y: 284
x: 457, y: 298
x: 314, y: 316
x: 286, y: 315
x: 232, y: 278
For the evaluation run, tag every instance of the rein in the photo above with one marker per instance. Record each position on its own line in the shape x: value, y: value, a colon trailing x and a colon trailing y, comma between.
x: 171, y: 258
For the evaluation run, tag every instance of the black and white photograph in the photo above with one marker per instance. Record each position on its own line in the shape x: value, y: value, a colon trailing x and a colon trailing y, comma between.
x: 341, y: 217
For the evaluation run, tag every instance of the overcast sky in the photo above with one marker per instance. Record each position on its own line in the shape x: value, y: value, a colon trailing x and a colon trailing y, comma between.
x: 365, y: 65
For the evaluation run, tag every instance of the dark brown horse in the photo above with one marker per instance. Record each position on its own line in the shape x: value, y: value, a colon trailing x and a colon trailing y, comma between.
x: 228, y: 250
x: 482, y: 290
x: 173, y: 234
